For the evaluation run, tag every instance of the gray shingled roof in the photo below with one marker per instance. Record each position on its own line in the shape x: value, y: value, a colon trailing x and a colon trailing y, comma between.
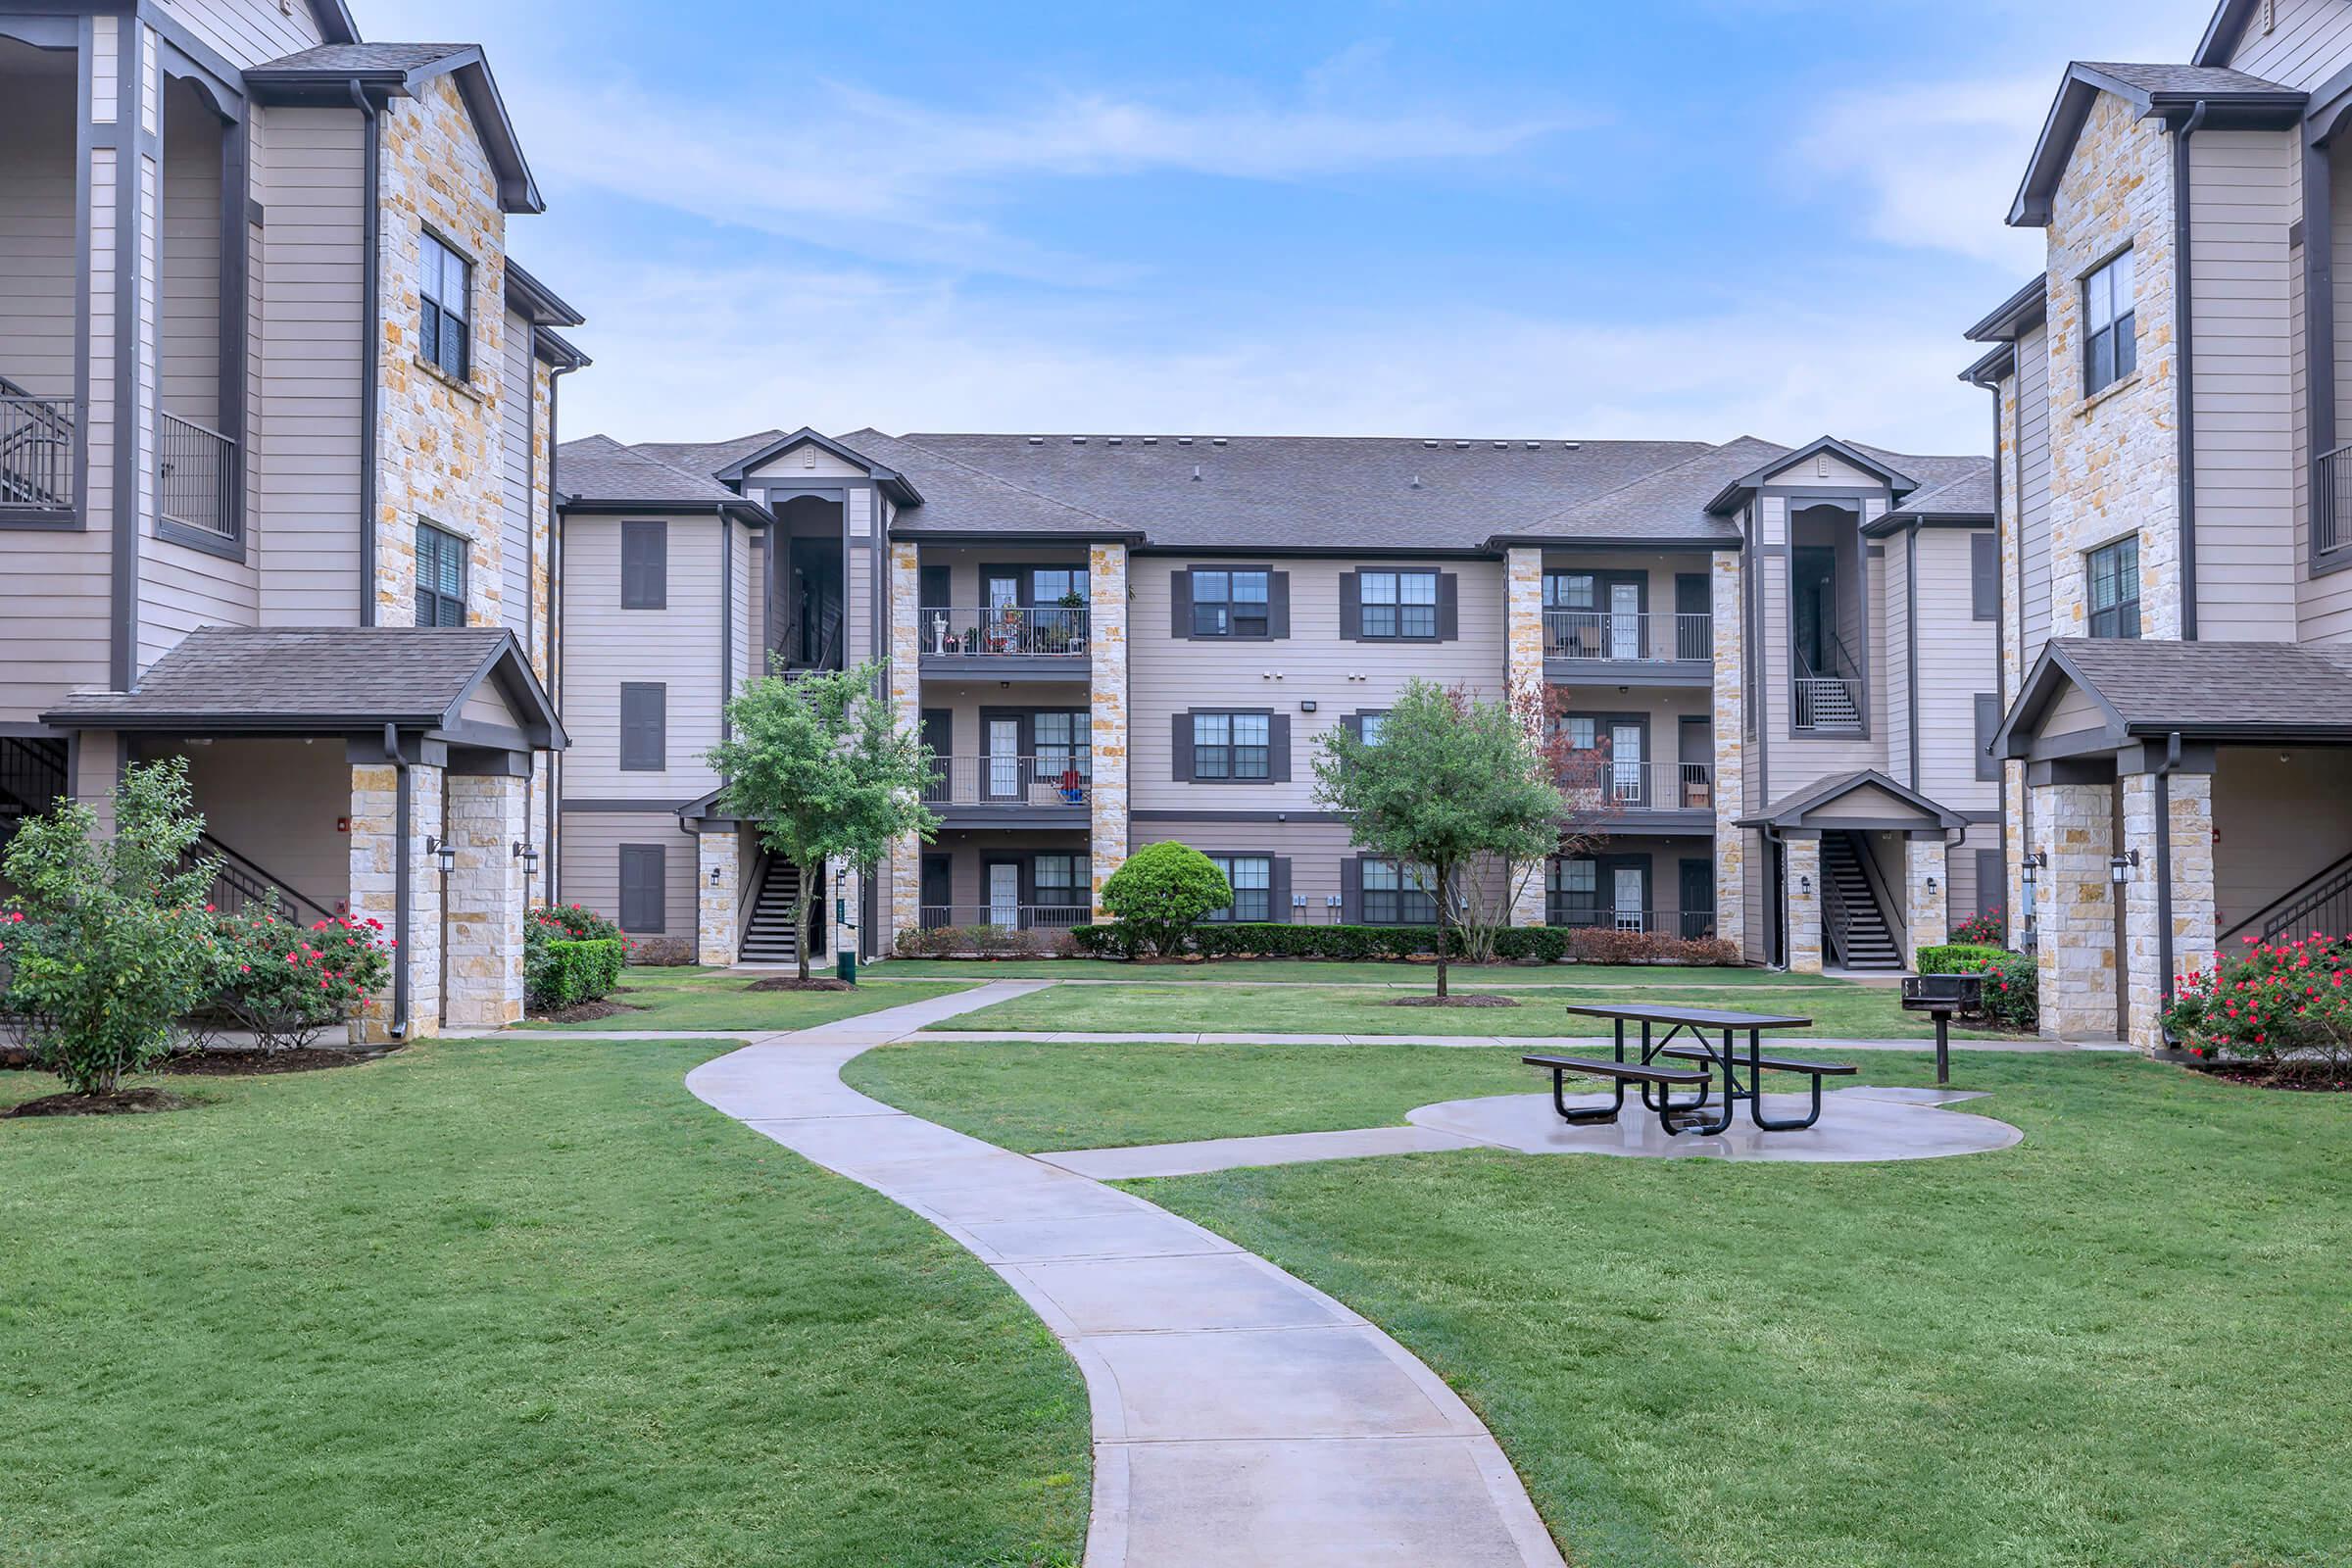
x: 280, y: 677
x: 1670, y: 502
x: 708, y: 456
x: 2197, y: 687
x: 358, y: 59
x: 598, y: 471
x: 2202, y: 81
x: 1968, y: 496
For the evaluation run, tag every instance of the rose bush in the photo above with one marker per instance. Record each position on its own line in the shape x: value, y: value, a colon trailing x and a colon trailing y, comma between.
x: 287, y: 983
x: 1986, y: 930
x: 2285, y: 1007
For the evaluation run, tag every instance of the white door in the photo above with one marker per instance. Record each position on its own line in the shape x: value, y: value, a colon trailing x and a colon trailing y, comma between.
x: 1004, y: 758
x: 1624, y: 764
x: 1625, y: 620
x: 1003, y: 894
x: 1628, y: 892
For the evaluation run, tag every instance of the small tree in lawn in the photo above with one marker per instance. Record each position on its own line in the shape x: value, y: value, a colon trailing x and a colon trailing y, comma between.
x: 108, y: 945
x: 1160, y: 892
x: 816, y: 763
x: 1454, y: 785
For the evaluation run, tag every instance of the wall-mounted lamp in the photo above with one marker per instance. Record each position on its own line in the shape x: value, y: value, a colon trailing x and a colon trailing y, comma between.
x: 1804, y: 885
x: 2031, y: 865
x: 2121, y: 868
x: 1306, y: 705
x: 443, y: 851
x: 1931, y: 887
x: 718, y: 874
x: 528, y: 855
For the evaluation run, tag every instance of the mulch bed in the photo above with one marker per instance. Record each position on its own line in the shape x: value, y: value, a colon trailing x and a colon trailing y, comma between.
x: 586, y: 1012
x: 2264, y: 1078
x: 122, y: 1102
x: 786, y: 982
x: 262, y: 1063
x: 1467, y: 999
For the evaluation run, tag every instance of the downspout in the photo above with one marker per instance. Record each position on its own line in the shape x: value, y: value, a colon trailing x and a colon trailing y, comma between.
x: 726, y: 623
x: 2164, y: 863
x: 1911, y: 646
x: 555, y: 589
x: 1774, y: 837
x: 371, y: 355
x: 400, y: 812
x: 2185, y: 335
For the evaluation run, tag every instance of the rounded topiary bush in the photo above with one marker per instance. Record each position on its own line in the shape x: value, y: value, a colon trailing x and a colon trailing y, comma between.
x: 1161, y: 892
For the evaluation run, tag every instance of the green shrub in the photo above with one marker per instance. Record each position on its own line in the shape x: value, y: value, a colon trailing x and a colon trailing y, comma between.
x: 286, y: 983
x: 1513, y: 944
x: 983, y: 941
x: 558, y: 972
x: 2285, y: 1007
x: 577, y: 923
x: 1608, y: 944
x: 1161, y: 893
x: 1957, y: 958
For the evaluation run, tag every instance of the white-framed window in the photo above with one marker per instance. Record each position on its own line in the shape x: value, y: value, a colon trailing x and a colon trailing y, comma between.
x: 1398, y: 893
x: 1252, y: 878
x: 1397, y: 604
x: 444, y: 288
x: 2110, y: 345
x: 1233, y: 746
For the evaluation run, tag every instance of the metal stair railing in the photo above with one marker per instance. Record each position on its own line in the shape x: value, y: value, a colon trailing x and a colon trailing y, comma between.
x: 240, y: 885
x: 2322, y: 900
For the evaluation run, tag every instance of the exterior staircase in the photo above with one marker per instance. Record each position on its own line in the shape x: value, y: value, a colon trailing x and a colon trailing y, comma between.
x: 33, y: 775
x: 1855, y: 926
x: 769, y: 937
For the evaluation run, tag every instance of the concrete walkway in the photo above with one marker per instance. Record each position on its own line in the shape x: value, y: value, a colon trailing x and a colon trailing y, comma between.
x: 1241, y: 1417
x: 1531, y: 1043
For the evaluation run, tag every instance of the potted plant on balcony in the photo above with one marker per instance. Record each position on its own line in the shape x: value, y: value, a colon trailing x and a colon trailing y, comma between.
x: 971, y: 639
x: 1005, y: 637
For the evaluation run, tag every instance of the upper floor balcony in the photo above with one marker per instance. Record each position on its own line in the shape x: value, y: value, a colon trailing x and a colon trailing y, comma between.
x: 1662, y: 648
x: 1005, y: 640
x: 38, y: 449
x: 1638, y: 796
x: 1053, y: 789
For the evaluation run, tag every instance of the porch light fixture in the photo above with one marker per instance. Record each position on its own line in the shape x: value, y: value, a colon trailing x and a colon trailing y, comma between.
x: 1931, y: 887
x: 443, y: 851
x: 2121, y: 868
x: 1804, y: 885
x: 714, y: 875
x: 2032, y: 864
x: 528, y: 855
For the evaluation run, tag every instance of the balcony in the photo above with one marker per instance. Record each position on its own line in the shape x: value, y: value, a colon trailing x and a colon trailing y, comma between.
x: 2331, y: 509
x: 1011, y: 791
x: 1645, y: 797
x: 1005, y: 642
x: 37, y: 456
x: 196, y: 482
x: 1606, y: 647
x: 1574, y: 915
x: 1828, y: 704
x: 1004, y: 917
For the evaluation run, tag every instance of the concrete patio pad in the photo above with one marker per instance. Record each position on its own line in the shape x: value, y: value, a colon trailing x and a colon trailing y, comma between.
x: 1273, y: 1148
x: 1857, y: 1124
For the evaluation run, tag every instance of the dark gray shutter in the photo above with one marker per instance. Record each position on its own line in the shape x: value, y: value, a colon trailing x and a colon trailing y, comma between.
x: 1449, y: 607
x: 1993, y: 880
x: 1351, y: 889
x: 1985, y: 576
x: 643, y: 884
x: 1278, y: 603
x: 1182, y: 749
x: 1989, y: 724
x: 643, y: 726
x: 939, y: 731
x: 1180, y: 603
x: 933, y: 588
x: 645, y: 565
x: 1278, y: 894
x: 1354, y: 724
x: 1278, y: 748
x: 1352, y: 608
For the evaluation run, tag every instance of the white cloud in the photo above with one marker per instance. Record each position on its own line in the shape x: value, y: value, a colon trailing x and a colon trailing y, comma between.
x: 1937, y: 165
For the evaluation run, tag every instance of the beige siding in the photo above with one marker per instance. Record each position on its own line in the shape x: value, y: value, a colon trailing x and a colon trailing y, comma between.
x: 181, y: 589
x: 1898, y: 675
x: 755, y: 620
x: 591, y: 848
x: 279, y: 804
x: 2034, y: 469
x: 1756, y: 899
x: 858, y: 621
x: 515, y: 606
x: 2309, y: 41
x: 968, y: 849
x: 1820, y: 467
x: 36, y: 234
x: 190, y: 343
x: 605, y: 645
x: 2073, y: 711
x: 1959, y: 656
x: 248, y: 32
x: 2243, y: 196
x: 2278, y: 818
x: 1168, y: 675
x: 746, y: 561
x: 307, y: 458
x: 805, y: 463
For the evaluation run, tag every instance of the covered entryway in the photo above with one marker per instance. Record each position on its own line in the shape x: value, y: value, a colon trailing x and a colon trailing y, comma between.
x: 1861, y: 880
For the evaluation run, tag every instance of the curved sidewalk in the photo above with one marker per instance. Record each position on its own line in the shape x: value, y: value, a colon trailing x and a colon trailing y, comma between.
x: 1241, y: 1417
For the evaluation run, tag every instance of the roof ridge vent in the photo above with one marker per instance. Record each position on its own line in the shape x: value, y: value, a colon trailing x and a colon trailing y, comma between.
x: 1151, y: 440
x: 1461, y: 446
x: 1502, y: 445
x: 1216, y: 440
x: 1183, y: 440
x: 1535, y: 446
x: 1077, y: 440
x: 1430, y: 445
x: 1116, y: 440
x: 1037, y: 440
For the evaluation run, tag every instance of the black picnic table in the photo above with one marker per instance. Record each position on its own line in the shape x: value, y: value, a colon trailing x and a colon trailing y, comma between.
x: 1741, y: 1077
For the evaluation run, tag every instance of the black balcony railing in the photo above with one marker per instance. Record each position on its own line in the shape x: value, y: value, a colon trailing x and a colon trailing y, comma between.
x: 37, y: 451
x: 1058, y: 781
x: 196, y: 477
x: 1053, y: 630
x: 1603, y: 636
x: 2332, y: 500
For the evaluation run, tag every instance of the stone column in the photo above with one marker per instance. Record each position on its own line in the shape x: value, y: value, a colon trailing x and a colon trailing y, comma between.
x: 2191, y: 887
x: 1731, y: 754
x: 906, y: 712
x: 1106, y: 645
x: 1804, y: 904
x: 843, y: 884
x: 374, y: 851
x: 2075, y: 955
x: 1528, y: 694
x: 376, y: 854
x: 2014, y: 848
x: 485, y: 901
x: 1927, y: 897
x: 718, y: 895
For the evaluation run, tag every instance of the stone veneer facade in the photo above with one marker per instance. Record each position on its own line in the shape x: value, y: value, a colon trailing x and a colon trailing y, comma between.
x: 377, y: 851
x: 1927, y: 914
x: 439, y: 442
x: 485, y: 897
x: 2114, y: 461
x: 1523, y: 652
x: 1803, y: 879
x: 716, y: 895
x: 1106, y: 645
x: 2190, y: 825
x: 2075, y: 958
x: 1731, y: 747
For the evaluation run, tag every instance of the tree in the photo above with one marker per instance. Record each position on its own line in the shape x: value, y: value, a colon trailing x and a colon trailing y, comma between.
x: 816, y: 763
x: 1454, y: 786
x: 109, y: 943
x: 1160, y: 892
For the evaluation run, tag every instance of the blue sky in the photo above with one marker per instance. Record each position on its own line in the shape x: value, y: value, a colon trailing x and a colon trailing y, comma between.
x: 1686, y: 218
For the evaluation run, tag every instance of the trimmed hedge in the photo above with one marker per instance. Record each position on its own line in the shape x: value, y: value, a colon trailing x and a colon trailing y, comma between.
x: 562, y: 973
x: 1513, y: 944
x: 981, y: 942
x: 1957, y: 958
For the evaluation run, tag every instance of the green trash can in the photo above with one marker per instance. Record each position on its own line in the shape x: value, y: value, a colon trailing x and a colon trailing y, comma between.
x: 845, y: 965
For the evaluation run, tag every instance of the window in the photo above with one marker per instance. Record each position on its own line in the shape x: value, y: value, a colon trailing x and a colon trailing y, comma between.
x: 1062, y: 881
x: 1571, y: 892
x: 1398, y: 893
x: 2111, y: 352
x: 643, y: 726
x: 1237, y: 746
x: 642, y: 886
x: 2115, y: 589
x: 1230, y: 604
x: 1063, y: 745
x: 1583, y: 731
x: 1252, y: 878
x: 1984, y: 577
x: 645, y: 565
x: 1400, y: 604
x: 1368, y: 724
x: 444, y: 281
x: 1050, y: 585
x: 440, y: 578
x: 1567, y: 590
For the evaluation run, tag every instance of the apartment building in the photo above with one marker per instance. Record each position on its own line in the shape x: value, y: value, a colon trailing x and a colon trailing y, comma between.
x: 2175, y: 515
x: 276, y: 438
x: 1787, y: 656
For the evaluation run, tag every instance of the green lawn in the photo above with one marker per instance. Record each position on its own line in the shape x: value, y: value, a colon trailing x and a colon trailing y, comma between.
x: 2106, y: 1348
x: 1840, y: 1009
x: 510, y: 1302
x: 1334, y: 972
x: 721, y: 999
x: 1034, y: 1096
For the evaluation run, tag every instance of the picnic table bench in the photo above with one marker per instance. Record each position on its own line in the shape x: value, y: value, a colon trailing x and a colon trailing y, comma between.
x: 1738, y: 1075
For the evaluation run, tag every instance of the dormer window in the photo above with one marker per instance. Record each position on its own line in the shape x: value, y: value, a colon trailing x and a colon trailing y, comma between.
x: 2110, y: 345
